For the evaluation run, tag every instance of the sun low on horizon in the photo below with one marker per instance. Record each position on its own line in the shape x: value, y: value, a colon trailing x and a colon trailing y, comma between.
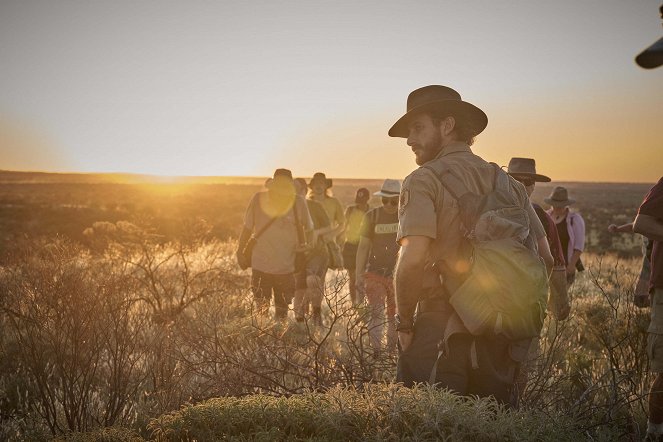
x: 242, y: 88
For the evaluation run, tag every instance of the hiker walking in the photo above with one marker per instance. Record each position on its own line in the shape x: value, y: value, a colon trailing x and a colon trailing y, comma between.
x: 320, y: 192
x: 354, y: 215
x: 445, y: 343
x: 523, y: 170
x: 309, y: 279
x: 571, y: 229
x: 649, y: 222
x: 376, y: 258
x: 270, y: 231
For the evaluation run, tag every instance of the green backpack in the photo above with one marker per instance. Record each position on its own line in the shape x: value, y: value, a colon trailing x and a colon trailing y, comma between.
x: 505, y: 290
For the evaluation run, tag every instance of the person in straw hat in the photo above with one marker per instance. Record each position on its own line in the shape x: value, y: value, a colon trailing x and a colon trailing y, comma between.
x: 571, y: 229
x: 523, y: 170
x: 440, y: 128
x: 376, y: 258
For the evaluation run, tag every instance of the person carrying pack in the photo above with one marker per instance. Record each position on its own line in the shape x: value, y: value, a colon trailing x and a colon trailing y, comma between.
x: 472, y: 256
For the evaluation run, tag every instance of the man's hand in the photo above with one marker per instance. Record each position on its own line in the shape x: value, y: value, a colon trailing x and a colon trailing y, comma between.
x: 570, y: 274
x: 612, y: 228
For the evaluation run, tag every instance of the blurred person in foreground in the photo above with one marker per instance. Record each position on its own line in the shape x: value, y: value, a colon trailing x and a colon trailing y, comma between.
x: 376, y: 258
x: 354, y: 214
x: 641, y: 291
x: 571, y: 229
x: 652, y: 56
x: 523, y: 170
x: 436, y: 345
x: 309, y: 280
x: 276, y: 214
x: 649, y: 222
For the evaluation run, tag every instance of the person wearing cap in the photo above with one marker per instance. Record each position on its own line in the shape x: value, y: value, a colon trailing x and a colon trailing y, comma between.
x: 649, y: 222
x: 309, y: 286
x: 523, y: 170
x: 440, y: 127
x: 276, y: 214
x: 354, y: 214
x: 376, y: 258
x: 571, y: 229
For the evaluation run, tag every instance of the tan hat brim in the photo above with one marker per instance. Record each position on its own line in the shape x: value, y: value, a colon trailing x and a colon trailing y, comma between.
x: 471, y: 114
x: 538, y: 178
x: 556, y: 203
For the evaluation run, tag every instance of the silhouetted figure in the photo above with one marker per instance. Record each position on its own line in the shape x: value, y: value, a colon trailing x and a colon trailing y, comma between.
x: 275, y: 214
x: 649, y: 222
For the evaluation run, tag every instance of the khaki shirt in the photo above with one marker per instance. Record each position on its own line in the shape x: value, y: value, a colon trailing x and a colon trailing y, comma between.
x: 427, y: 209
x: 275, y: 249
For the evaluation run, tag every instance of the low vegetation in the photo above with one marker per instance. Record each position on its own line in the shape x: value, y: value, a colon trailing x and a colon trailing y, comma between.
x: 135, y: 332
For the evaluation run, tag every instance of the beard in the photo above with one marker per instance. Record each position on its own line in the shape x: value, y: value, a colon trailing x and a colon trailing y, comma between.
x: 428, y: 150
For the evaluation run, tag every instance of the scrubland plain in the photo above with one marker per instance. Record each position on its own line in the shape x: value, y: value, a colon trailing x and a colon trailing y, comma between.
x: 123, y: 316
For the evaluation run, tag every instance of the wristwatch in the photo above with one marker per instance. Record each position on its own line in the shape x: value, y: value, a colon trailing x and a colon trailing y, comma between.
x: 403, y: 325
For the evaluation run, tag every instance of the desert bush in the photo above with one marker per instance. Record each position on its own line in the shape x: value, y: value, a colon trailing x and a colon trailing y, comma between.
x: 376, y: 412
x: 138, y: 326
x: 87, y: 339
x: 593, y: 366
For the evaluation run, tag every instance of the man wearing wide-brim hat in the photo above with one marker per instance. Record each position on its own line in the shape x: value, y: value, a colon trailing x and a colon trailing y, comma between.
x: 270, y: 224
x: 571, y: 229
x: 523, y: 170
x: 440, y: 127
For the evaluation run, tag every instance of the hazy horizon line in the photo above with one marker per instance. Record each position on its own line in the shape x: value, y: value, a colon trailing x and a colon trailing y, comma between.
x: 175, y: 178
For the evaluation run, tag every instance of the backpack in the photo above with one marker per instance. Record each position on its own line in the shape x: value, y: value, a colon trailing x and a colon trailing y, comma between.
x: 505, y: 290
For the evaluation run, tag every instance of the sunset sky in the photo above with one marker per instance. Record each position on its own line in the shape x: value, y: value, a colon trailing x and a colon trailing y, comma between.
x: 239, y: 88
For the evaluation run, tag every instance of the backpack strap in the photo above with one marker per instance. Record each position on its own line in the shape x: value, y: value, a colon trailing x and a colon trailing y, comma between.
x: 449, y: 181
x: 501, y: 182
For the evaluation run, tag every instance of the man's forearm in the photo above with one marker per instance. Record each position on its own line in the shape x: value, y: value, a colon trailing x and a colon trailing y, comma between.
x: 574, y: 260
x: 408, y: 287
x: 363, y: 250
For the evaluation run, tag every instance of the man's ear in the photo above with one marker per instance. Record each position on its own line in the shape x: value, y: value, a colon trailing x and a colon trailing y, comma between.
x: 447, y: 125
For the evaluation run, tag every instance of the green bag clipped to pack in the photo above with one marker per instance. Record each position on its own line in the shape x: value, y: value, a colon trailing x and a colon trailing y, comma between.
x: 505, y: 290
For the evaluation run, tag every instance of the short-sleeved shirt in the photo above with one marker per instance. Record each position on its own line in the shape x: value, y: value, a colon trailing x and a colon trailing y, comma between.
x: 653, y: 206
x: 381, y: 228
x: 353, y: 219
x: 427, y: 209
x: 556, y: 248
x: 274, y: 251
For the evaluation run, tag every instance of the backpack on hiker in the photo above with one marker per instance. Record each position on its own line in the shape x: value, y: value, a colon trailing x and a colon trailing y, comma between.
x: 505, y: 290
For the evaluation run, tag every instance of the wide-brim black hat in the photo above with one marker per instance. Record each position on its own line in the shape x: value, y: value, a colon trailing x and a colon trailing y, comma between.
x: 439, y: 99
x: 525, y: 168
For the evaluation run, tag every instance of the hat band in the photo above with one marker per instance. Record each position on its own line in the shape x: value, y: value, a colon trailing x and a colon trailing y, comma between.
x: 390, y: 192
